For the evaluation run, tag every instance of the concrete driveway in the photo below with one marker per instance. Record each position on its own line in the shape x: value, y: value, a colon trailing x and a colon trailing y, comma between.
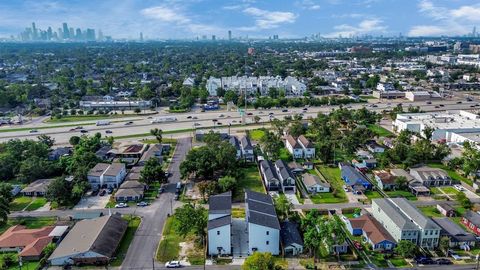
x: 291, y: 196
x: 92, y: 202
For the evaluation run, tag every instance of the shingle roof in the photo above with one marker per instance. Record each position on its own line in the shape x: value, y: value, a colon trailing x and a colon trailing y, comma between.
x: 290, y: 234
x: 114, y: 169
x: 426, y: 173
x: 284, y: 170
x: 39, y: 185
x: 452, y: 230
x: 36, y: 247
x: 372, y: 228
x: 385, y: 177
x: 219, y: 222
x: 416, y: 215
x: 395, y: 215
x: 311, y: 180
x: 473, y: 217
x: 220, y: 204
x: 20, y: 236
x: 293, y: 142
x: 246, y: 143
x: 234, y: 141
x: 260, y: 210
x: 101, y: 235
x: 305, y: 142
x: 99, y: 169
x: 269, y: 170
x: 353, y: 175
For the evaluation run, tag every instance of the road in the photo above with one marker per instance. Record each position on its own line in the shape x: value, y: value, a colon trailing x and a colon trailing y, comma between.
x: 141, y: 124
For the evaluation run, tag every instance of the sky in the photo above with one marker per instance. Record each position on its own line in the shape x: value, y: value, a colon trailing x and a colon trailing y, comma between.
x: 177, y: 19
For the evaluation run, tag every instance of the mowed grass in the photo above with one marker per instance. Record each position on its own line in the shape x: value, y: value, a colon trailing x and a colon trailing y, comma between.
x: 430, y: 211
x: 133, y: 223
x: 30, y: 223
x: 257, y: 134
x: 36, y: 204
x: 333, y: 176
x: 380, y: 131
x: 238, y: 213
x: 169, y: 246
x: 250, y: 179
x: 373, y: 194
x: 401, y: 194
x: 19, y: 203
x: 453, y: 174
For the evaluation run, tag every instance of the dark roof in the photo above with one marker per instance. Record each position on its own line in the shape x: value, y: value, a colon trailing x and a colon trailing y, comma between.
x: 246, y: 143
x: 234, y: 141
x: 284, y: 170
x: 268, y: 170
x: 110, y: 236
x: 219, y: 222
x: 305, y: 142
x: 446, y: 207
x: 290, y: 234
x: 353, y: 175
x: 221, y: 203
x: 260, y: 210
x: 452, y: 230
x: 473, y: 217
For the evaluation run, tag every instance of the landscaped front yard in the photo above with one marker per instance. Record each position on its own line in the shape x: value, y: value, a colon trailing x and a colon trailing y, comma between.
x: 251, y: 180
x: 36, y: 204
x: 257, y: 134
x: 371, y: 194
x: 19, y: 203
x: 380, y: 131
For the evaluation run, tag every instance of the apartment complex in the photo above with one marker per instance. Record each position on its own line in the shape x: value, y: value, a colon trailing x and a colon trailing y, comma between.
x: 251, y: 85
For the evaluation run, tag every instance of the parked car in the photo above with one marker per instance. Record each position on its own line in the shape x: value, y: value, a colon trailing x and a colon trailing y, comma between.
x: 424, y: 260
x: 173, y: 264
x: 121, y: 205
x: 284, y: 110
x: 95, y: 192
x: 443, y: 261
x: 142, y: 204
x: 103, y: 192
x: 161, y: 190
x: 110, y: 190
x: 459, y: 187
x: 249, y: 113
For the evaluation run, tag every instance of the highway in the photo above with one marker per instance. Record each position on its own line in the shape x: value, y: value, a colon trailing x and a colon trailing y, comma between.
x: 186, y: 121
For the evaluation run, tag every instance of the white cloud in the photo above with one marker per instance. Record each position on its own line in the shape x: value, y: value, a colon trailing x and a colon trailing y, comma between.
x: 308, y: 5
x: 364, y: 27
x: 265, y: 19
x: 448, y: 21
x: 166, y: 14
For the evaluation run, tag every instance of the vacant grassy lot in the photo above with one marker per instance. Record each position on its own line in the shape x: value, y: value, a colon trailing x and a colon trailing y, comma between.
x: 326, y: 198
x: 430, y: 211
x: 380, y: 131
x: 19, y: 203
x: 251, y: 180
x: 169, y: 246
x: 257, y: 134
x: 133, y: 223
x: 401, y: 194
x: 453, y: 174
x: 332, y: 175
x: 373, y: 194
x: 37, y: 203
x: 30, y: 223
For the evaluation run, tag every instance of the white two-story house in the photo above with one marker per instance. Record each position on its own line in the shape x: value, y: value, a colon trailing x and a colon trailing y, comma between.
x: 106, y: 175
x: 247, y: 149
x: 219, y: 224
x: 307, y: 146
x: 293, y: 147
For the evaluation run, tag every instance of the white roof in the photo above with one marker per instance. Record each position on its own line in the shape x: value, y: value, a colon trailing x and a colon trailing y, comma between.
x: 58, y: 231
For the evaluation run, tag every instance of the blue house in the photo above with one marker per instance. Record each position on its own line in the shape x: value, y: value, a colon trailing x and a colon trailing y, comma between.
x: 353, y: 178
x: 372, y: 232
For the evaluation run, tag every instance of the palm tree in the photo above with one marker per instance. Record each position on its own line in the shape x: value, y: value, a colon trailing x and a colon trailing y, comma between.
x: 157, y: 133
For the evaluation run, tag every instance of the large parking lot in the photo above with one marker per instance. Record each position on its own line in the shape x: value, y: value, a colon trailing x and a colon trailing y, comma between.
x: 93, y: 202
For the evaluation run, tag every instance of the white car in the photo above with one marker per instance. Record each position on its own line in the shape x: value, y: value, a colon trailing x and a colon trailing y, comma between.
x: 142, y: 204
x: 173, y: 264
x: 121, y: 205
x: 459, y: 187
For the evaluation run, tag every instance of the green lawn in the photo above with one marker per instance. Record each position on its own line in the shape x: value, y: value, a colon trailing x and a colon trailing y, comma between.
x: 76, y: 118
x: 257, y: 134
x: 19, y: 203
x: 398, y: 262
x: 430, y: 211
x: 449, y: 190
x: 36, y: 204
x: 238, y: 213
x: 30, y: 223
x: 373, y: 194
x: 332, y: 175
x: 30, y: 265
x: 380, y: 131
x: 133, y: 223
x: 169, y: 246
x: 401, y: 194
x: 251, y: 180
x: 326, y: 198
x: 453, y: 174
x: 285, y: 155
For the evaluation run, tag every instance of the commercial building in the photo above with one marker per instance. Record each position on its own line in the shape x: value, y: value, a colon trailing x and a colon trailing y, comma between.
x: 252, y: 85
x: 403, y: 221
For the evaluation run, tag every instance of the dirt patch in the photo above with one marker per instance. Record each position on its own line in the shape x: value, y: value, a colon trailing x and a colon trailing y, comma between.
x: 184, y: 248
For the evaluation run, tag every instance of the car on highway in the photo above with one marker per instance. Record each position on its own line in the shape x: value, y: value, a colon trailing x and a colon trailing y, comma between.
x: 197, y: 124
x: 441, y: 105
x: 249, y: 113
x: 108, y: 131
x: 428, y: 102
x: 284, y: 110
x: 78, y: 127
x: 173, y: 264
x: 83, y: 131
x: 219, y: 123
x: 128, y: 123
x: 234, y: 121
x: 121, y: 205
x: 33, y: 131
x: 459, y: 102
x: 221, y: 115
x: 142, y: 204
x: 195, y: 117
x: 189, y: 117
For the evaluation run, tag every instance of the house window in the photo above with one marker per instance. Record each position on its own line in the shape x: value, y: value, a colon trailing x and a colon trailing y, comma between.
x: 268, y: 233
x: 218, y: 232
x: 268, y: 242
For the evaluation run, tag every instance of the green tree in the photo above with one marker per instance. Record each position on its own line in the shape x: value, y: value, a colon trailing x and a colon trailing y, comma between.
x: 206, y: 188
x: 4, y: 210
x: 47, y: 140
x: 74, y: 140
x: 6, y: 191
x: 157, y: 133
x: 191, y: 218
x: 401, y: 182
x: 152, y: 172
x: 406, y: 249
x: 283, y: 206
x: 259, y: 261
x: 59, y: 191
x: 464, y: 200
x: 227, y: 183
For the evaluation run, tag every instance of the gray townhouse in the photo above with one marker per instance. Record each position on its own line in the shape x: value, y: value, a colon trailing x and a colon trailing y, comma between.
x: 431, y: 177
x: 405, y: 222
x: 286, y: 176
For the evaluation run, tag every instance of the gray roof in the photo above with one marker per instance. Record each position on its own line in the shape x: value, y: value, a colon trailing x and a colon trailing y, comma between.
x: 220, y: 204
x: 99, y: 169
x: 284, y: 170
x: 290, y: 234
x: 426, y: 173
x: 100, y: 235
x: 235, y: 142
x: 452, y: 230
x: 219, y: 222
x: 260, y: 210
x: 311, y: 180
x: 246, y: 143
x: 268, y: 170
x: 405, y: 215
x: 473, y: 217
x: 154, y: 151
x: 114, y: 169
x: 39, y: 185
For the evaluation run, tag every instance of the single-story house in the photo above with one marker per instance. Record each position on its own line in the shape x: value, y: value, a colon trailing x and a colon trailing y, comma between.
x: 295, y: 167
x: 472, y: 221
x: 458, y: 237
x: 59, y: 152
x: 91, y: 241
x: 104, y: 153
x: 374, y: 147
x: 29, y: 243
x: 37, y: 188
x: 130, y: 191
x: 372, y: 231
x: 385, y: 180
x: 292, y: 243
x: 353, y: 178
x: 446, y: 210
x: 362, y: 154
x: 314, y: 184
x: 415, y: 186
x: 153, y: 151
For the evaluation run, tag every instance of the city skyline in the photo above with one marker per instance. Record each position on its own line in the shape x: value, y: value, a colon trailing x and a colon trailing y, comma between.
x: 178, y: 19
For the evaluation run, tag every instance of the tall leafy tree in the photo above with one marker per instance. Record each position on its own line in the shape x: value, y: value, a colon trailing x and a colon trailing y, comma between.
x: 157, y: 133
x: 152, y: 172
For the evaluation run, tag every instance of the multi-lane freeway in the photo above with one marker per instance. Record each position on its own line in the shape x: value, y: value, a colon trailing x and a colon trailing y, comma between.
x: 195, y: 119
